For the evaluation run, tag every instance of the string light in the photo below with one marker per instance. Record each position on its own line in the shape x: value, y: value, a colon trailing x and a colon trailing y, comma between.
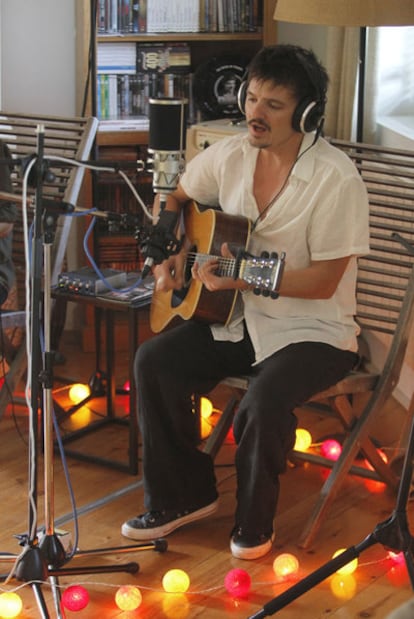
x: 128, y: 597
x: 331, y: 449
x: 349, y: 568
x: 285, y: 565
x: 78, y: 392
x: 176, y: 581
x: 10, y: 605
x: 206, y: 407
x: 75, y: 598
x: 237, y: 582
x: 303, y: 440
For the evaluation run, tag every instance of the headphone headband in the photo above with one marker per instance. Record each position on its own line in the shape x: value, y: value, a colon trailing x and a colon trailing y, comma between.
x: 309, y: 113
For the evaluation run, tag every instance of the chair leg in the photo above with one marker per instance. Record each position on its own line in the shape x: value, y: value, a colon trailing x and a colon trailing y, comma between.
x: 217, y: 437
x: 357, y: 439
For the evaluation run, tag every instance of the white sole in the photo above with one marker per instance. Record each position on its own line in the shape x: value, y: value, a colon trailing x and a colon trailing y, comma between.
x: 254, y: 552
x: 168, y: 527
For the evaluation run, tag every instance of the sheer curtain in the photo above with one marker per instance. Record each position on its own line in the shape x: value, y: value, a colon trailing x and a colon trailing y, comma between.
x: 342, y: 53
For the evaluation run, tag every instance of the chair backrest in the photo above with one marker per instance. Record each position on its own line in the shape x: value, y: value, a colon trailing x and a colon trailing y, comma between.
x: 386, y: 273
x: 68, y: 138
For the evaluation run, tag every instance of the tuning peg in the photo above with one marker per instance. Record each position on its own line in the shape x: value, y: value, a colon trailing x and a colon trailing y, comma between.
x: 274, y: 295
x: 257, y: 291
x: 266, y: 293
x: 264, y: 254
x: 274, y: 255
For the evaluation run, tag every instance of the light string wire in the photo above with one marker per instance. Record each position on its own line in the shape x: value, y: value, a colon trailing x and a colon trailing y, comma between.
x: 281, y: 580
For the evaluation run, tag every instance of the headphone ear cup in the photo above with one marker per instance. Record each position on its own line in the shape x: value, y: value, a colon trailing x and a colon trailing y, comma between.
x: 241, y: 97
x: 307, y: 115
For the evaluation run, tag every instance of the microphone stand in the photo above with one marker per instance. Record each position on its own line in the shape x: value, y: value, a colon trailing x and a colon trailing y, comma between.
x: 393, y: 533
x: 44, y: 560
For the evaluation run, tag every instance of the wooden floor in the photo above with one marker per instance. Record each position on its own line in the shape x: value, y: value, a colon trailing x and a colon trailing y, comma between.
x: 104, y: 498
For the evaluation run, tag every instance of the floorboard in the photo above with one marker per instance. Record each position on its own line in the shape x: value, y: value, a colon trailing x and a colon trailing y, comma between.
x: 105, y: 497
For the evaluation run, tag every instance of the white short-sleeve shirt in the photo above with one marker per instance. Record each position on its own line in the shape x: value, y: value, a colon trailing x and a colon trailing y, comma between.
x: 322, y: 214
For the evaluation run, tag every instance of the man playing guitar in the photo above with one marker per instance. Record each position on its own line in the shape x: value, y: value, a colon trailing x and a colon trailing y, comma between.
x: 302, y: 197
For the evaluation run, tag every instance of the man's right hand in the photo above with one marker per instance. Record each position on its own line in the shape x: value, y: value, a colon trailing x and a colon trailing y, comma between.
x: 169, y: 275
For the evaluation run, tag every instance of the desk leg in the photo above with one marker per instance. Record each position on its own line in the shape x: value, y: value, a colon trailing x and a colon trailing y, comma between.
x: 133, y: 318
x: 110, y: 352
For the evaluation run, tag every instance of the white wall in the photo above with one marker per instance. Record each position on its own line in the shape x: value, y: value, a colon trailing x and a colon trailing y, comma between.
x: 37, y: 55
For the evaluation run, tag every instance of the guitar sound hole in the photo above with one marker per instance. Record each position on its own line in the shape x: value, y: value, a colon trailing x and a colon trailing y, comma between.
x: 178, y: 296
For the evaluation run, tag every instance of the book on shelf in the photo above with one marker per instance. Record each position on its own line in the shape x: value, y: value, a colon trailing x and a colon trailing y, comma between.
x: 158, y: 16
x: 120, y: 58
x: 138, y: 123
x: 160, y: 70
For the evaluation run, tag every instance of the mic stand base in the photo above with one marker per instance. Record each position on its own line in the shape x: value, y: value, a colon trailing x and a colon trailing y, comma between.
x: 393, y: 534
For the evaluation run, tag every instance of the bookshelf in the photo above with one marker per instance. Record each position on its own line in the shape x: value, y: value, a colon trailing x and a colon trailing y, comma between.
x: 121, y: 141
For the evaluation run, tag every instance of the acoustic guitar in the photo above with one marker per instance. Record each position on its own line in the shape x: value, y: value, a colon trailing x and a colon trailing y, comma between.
x: 207, y: 230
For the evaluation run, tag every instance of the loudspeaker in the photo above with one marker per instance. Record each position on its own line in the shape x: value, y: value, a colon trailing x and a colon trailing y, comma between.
x: 308, y: 115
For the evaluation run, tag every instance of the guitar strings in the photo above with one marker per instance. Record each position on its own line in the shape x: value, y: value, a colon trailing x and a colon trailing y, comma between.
x: 225, y: 264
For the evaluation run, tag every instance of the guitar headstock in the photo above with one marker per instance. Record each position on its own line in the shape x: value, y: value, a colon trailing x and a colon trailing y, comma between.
x: 264, y: 273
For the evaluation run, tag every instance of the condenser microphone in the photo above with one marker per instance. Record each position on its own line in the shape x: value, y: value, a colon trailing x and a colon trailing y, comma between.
x: 166, y: 146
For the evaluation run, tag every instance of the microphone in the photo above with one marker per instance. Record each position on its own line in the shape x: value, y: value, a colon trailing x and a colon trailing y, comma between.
x: 166, y: 145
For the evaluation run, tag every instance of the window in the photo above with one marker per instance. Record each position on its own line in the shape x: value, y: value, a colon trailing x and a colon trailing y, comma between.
x: 391, y: 50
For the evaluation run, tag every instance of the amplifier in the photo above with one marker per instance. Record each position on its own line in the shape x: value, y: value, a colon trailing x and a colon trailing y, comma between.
x: 203, y: 134
x: 87, y: 282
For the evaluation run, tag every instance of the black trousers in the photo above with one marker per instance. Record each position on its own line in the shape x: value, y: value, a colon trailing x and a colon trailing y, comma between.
x: 178, y: 363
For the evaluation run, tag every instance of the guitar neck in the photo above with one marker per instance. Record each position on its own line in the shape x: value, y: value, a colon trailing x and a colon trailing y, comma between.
x: 227, y: 267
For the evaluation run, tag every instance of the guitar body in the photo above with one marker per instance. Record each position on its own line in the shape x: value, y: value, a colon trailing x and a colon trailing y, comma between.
x: 207, y: 230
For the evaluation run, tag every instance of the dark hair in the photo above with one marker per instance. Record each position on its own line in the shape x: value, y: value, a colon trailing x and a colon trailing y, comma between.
x: 293, y: 67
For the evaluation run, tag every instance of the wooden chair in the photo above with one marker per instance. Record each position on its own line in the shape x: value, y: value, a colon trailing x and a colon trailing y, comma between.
x: 68, y: 138
x: 385, y: 309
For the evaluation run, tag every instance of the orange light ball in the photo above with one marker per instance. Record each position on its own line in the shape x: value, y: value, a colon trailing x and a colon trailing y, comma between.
x: 348, y: 568
x: 128, y: 597
x: 303, y: 440
x: 78, y: 392
x: 206, y: 408
x: 237, y: 582
x: 285, y: 565
x: 10, y: 604
x: 176, y: 581
x: 75, y: 598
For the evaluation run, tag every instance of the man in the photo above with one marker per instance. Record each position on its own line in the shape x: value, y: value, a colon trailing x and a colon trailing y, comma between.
x: 303, y: 197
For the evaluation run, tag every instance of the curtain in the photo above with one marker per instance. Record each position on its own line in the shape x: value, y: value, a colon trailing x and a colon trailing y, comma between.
x: 342, y: 55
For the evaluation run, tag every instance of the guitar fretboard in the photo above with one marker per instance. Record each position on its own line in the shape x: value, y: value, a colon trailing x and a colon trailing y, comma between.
x: 226, y: 266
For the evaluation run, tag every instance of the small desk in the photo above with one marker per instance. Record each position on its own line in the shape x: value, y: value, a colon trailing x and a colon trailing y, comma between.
x: 105, y: 308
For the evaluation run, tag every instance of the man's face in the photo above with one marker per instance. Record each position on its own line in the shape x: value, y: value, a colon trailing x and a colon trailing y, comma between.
x: 269, y: 110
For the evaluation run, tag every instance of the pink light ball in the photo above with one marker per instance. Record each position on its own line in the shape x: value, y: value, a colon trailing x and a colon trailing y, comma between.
x: 75, y: 598
x: 331, y: 449
x: 237, y: 582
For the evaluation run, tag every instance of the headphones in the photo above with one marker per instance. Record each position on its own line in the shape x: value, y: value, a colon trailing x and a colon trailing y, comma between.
x: 309, y: 113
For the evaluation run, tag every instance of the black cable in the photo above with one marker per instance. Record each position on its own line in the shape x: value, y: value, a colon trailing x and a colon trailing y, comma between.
x: 273, y: 200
